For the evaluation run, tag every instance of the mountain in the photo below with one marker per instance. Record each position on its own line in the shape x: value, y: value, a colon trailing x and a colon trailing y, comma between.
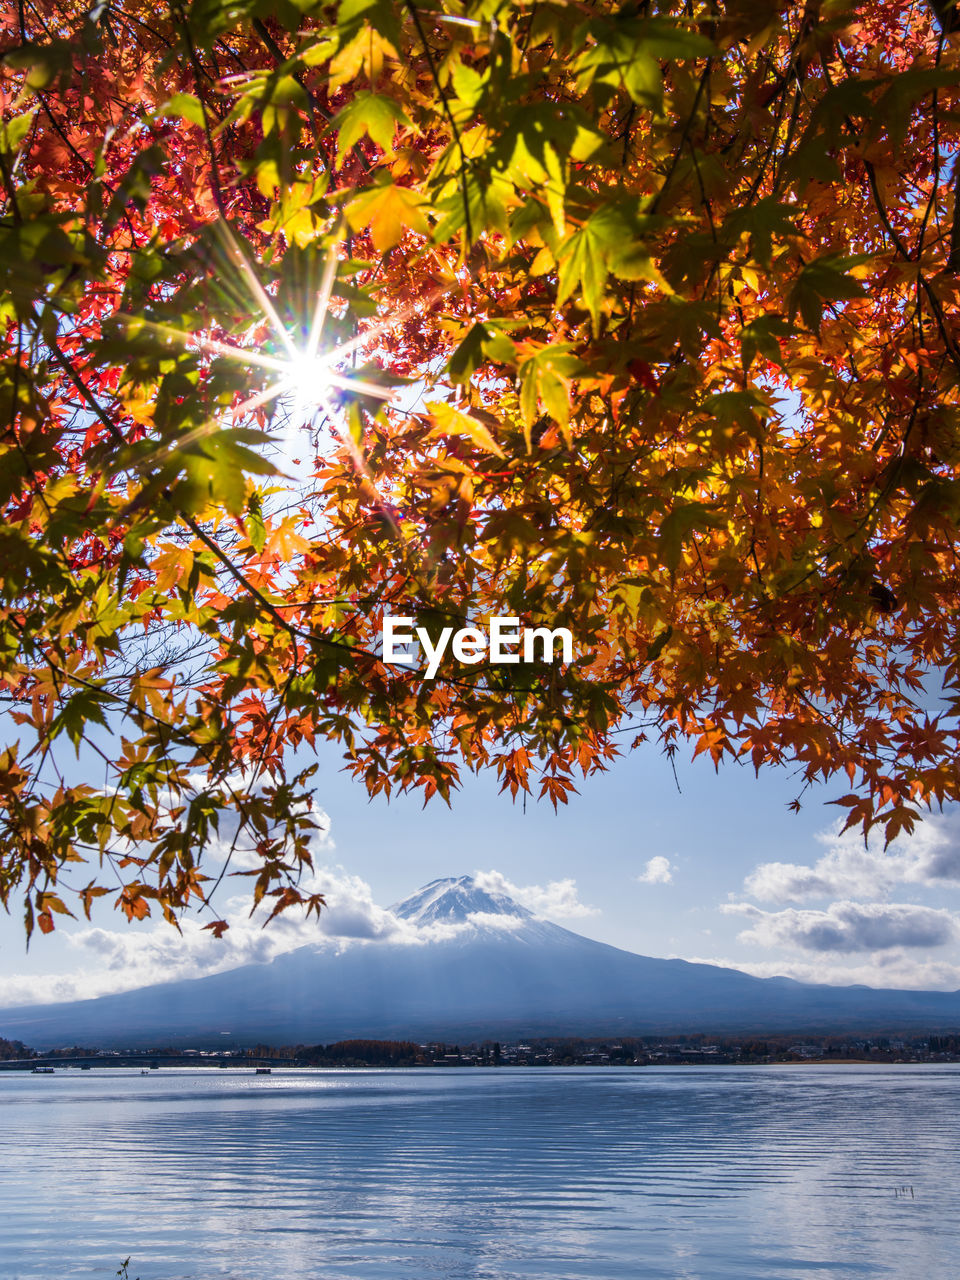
x: 471, y: 965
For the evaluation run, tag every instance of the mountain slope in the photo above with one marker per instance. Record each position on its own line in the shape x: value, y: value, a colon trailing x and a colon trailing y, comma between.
x: 484, y: 967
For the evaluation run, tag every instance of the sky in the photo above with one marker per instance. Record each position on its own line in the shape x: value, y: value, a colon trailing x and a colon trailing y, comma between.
x: 708, y: 866
x: 694, y: 864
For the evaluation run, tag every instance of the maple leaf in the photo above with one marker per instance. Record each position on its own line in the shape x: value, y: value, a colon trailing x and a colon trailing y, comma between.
x: 684, y: 311
x: 372, y: 114
x: 388, y: 211
x: 452, y: 421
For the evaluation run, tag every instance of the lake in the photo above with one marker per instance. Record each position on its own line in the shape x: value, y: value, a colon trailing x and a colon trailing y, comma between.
x: 686, y: 1173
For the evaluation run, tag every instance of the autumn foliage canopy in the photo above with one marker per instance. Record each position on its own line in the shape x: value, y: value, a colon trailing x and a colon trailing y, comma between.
x: 639, y: 319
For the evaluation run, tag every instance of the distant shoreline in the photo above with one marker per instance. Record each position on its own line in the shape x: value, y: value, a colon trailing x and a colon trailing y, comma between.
x: 694, y: 1050
x: 30, y: 1067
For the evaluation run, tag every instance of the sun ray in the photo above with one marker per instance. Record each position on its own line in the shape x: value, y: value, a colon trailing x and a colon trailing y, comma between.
x: 241, y: 354
x: 259, y: 292
x: 375, y: 389
x: 323, y: 302
x: 211, y: 425
x: 304, y: 378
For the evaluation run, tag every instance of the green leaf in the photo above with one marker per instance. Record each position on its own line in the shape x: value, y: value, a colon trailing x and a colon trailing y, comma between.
x: 655, y: 647
x: 544, y: 377
x: 42, y: 62
x: 906, y: 89
x: 760, y: 337
x: 762, y: 221
x: 468, y: 356
x: 372, y: 114
x: 625, y: 54
x: 185, y: 106
x: 14, y: 130
x: 80, y: 709
x: 672, y: 42
x: 468, y: 85
x: 583, y: 267
x: 482, y: 342
x: 382, y: 15
x: 821, y: 281
x: 678, y: 527
x: 255, y: 527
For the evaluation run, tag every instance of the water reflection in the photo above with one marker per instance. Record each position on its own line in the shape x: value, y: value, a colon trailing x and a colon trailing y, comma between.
x: 684, y: 1173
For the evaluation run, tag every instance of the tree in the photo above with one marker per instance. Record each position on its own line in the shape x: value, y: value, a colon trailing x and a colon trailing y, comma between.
x: 13, y: 1049
x: 638, y: 319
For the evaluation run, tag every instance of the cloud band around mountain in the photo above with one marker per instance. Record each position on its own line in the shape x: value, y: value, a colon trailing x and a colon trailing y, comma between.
x: 139, y: 955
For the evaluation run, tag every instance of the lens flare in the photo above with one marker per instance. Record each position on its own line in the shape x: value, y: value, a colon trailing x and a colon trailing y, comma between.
x: 307, y: 384
x: 305, y: 381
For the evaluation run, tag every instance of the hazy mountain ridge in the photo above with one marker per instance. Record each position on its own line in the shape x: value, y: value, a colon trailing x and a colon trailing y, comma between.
x: 482, y: 966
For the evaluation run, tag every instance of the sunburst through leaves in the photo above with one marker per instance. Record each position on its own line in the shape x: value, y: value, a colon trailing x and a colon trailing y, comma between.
x: 308, y: 378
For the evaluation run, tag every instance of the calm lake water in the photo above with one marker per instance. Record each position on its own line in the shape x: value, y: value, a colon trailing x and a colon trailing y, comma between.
x: 567, y: 1174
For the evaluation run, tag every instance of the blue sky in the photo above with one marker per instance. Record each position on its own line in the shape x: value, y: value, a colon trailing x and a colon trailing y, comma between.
x: 719, y: 871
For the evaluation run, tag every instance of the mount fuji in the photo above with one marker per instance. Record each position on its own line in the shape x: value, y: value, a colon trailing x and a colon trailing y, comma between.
x: 467, y: 964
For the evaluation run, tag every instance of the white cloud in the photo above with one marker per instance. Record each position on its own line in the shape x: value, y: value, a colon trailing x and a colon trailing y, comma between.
x: 929, y: 857
x: 555, y: 900
x: 896, y: 969
x: 848, y: 926
x: 658, y: 870
x: 137, y: 955
x: 350, y: 911
x: 490, y: 920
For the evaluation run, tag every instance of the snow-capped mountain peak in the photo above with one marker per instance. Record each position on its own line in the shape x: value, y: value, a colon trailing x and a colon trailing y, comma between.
x: 473, y: 965
x: 456, y: 900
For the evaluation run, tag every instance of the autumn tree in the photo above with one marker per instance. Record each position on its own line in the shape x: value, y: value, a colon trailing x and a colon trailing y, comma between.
x: 637, y: 319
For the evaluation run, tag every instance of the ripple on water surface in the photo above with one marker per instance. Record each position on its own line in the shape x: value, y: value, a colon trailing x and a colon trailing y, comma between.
x: 512, y: 1174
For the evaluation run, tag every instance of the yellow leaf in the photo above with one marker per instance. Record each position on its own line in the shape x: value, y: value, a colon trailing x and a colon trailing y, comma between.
x: 284, y: 541
x: 451, y: 421
x: 544, y: 261
x: 173, y: 565
x: 363, y: 55
x: 141, y: 409
x: 475, y: 141
x: 388, y: 211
